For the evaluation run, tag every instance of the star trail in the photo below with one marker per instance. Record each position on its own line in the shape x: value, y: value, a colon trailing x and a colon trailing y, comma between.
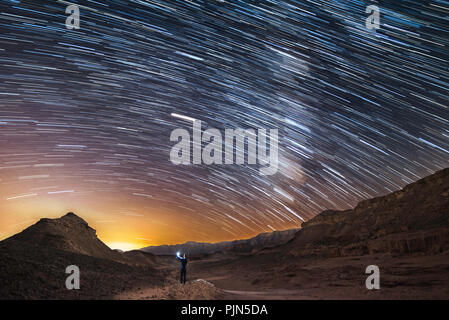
x: 86, y: 114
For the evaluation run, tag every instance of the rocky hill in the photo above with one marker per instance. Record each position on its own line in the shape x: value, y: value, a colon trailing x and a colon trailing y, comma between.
x: 405, y: 234
x: 412, y: 220
x: 68, y: 233
x: 33, y: 263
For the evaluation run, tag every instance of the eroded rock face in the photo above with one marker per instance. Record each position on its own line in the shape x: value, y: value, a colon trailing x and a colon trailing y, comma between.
x: 412, y: 220
x: 68, y: 233
x: 33, y: 263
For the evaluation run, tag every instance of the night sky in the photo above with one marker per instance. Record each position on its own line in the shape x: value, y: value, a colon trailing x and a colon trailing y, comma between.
x: 85, y: 115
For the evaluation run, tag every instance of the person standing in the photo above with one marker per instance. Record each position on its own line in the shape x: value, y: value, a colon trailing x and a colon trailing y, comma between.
x: 183, y: 261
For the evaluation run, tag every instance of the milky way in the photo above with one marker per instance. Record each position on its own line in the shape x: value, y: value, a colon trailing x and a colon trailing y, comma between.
x: 85, y: 115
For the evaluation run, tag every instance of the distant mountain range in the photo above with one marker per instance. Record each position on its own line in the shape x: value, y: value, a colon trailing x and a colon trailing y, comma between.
x: 263, y: 240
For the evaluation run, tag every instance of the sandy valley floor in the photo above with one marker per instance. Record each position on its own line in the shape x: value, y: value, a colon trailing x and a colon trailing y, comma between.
x: 412, y: 277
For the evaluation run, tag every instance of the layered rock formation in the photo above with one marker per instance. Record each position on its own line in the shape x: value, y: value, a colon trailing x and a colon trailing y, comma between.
x: 412, y: 220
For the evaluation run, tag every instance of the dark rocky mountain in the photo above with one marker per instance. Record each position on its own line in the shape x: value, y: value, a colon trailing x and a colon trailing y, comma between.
x: 246, y: 246
x: 412, y: 220
x: 68, y: 233
x: 33, y: 263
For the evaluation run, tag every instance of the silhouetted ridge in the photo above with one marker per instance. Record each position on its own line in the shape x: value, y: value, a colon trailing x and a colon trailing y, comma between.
x: 73, y: 217
x: 69, y: 233
x: 414, y: 219
x: 32, y: 262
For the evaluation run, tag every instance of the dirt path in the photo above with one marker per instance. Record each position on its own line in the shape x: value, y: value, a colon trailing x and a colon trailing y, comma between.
x: 268, y: 295
x: 198, y: 289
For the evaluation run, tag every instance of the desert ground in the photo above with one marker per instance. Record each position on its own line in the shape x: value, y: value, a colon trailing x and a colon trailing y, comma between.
x: 404, y: 233
x: 261, y: 277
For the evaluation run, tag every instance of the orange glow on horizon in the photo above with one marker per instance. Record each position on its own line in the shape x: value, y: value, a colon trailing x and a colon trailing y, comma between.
x: 124, y: 246
x: 117, y: 223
